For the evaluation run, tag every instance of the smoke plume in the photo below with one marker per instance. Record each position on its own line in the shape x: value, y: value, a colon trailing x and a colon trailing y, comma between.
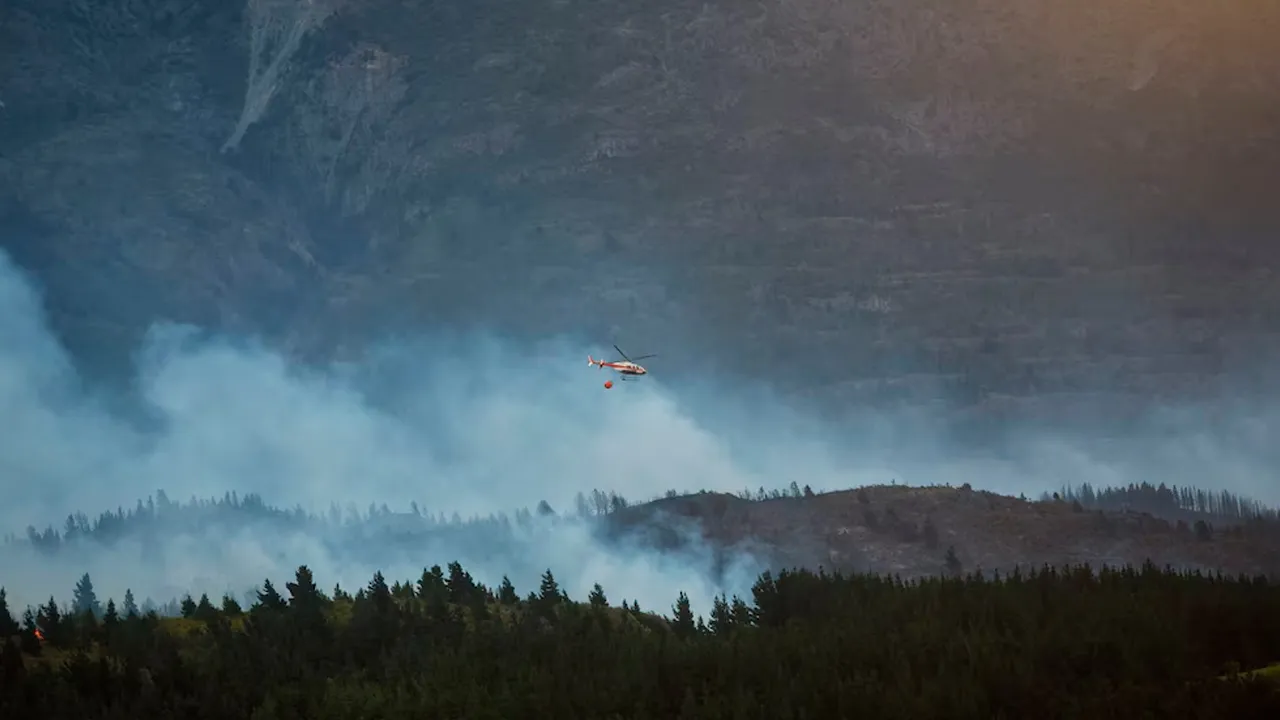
x: 471, y: 424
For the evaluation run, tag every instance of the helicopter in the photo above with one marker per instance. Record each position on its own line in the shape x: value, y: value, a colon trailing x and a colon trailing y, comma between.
x: 627, y: 368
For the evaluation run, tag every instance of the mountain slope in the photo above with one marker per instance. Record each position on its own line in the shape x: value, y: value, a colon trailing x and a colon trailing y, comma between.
x: 715, y: 539
x: 910, y: 531
x: 895, y: 202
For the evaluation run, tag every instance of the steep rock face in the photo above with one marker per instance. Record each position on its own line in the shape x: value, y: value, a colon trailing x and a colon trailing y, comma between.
x: 1022, y: 207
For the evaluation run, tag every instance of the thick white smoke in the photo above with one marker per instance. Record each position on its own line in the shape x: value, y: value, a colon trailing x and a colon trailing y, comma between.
x: 472, y: 425
x: 469, y: 425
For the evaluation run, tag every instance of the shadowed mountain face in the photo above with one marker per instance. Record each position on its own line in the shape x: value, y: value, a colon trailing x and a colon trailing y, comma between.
x: 1031, y: 210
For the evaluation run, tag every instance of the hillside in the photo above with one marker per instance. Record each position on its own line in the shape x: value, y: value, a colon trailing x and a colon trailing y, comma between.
x: 913, y: 531
x: 1047, y: 209
x: 711, y: 542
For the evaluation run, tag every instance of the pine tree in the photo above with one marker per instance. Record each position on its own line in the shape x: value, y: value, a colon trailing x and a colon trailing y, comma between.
x: 110, y: 618
x: 721, y: 616
x: 507, y: 592
x: 84, y: 599
x: 770, y: 610
x: 269, y: 598
x: 682, y: 622
x: 340, y: 594
x: 8, y: 625
x: 549, y: 596
x: 461, y: 586
x: 49, y: 620
x: 30, y: 643
x: 379, y: 593
x: 188, y: 607
x: 230, y: 607
x: 549, y: 590
x: 597, y: 598
x: 432, y: 584
x: 130, y: 607
x: 617, y: 503
x: 303, y: 592
x: 205, y: 611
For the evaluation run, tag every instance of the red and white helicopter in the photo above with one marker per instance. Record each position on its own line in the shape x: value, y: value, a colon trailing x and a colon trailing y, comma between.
x: 627, y: 367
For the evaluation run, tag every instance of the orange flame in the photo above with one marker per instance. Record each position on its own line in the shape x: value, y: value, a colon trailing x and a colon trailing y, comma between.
x: 39, y: 635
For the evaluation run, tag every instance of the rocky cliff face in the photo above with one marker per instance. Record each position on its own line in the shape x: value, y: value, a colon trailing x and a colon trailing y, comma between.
x: 1017, y: 206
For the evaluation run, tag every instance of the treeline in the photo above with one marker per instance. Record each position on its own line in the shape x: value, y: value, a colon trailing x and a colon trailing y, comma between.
x: 156, y: 517
x: 159, y: 513
x: 1170, y: 502
x: 1053, y: 643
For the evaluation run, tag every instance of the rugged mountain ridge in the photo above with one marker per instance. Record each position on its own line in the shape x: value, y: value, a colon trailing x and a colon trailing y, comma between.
x: 1031, y: 210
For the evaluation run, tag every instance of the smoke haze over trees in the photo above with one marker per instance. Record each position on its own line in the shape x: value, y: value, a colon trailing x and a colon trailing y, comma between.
x: 311, y: 283
x: 446, y: 424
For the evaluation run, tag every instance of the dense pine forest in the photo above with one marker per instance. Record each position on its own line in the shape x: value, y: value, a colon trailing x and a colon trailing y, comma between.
x: 1066, y: 641
x: 1050, y: 643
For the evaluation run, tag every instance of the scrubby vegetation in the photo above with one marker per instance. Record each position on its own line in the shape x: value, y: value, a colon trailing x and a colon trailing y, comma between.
x: 1051, y: 643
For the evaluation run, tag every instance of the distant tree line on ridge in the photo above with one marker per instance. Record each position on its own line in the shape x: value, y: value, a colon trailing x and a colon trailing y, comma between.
x: 1169, y: 502
x: 155, y: 515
